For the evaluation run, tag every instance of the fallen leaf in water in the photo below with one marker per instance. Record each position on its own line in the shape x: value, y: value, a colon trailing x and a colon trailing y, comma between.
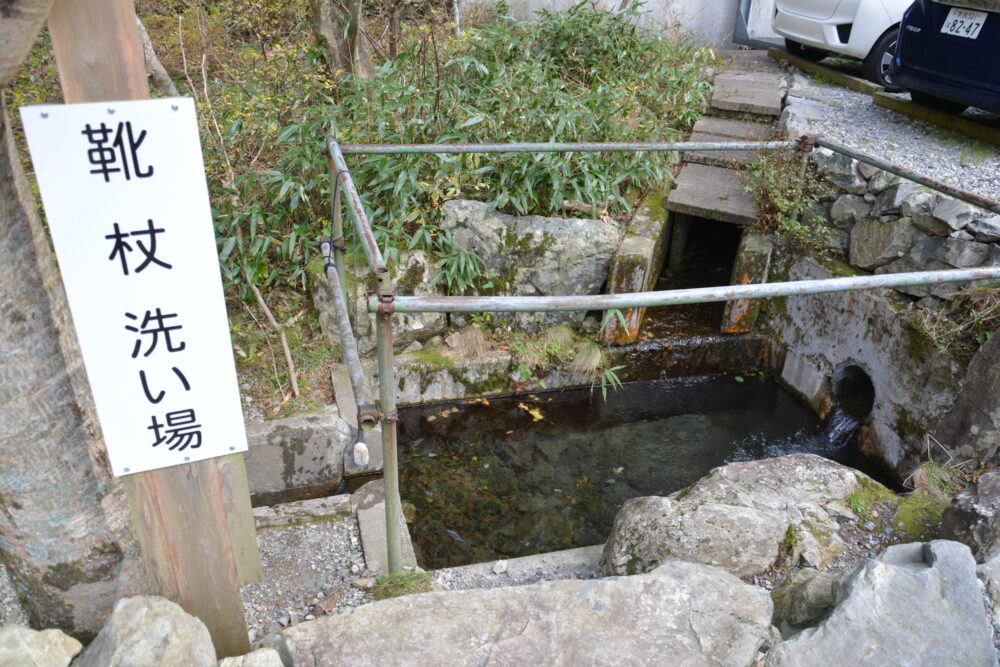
x: 431, y: 418
x: 535, y: 413
x: 723, y: 196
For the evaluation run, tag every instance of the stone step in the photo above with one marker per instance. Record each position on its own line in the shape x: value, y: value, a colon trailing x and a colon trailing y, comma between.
x: 747, y: 93
x: 756, y: 60
x: 714, y: 193
x: 732, y: 129
x: 717, y: 158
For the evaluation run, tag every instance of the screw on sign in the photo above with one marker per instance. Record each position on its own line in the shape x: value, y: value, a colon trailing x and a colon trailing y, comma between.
x: 128, y: 209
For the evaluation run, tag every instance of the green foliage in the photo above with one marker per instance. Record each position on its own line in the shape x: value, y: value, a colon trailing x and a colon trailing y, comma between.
x: 784, y: 184
x: 580, y: 75
x: 398, y: 584
x: 960, y: 325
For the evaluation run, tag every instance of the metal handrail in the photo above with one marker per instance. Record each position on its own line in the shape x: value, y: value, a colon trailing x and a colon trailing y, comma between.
x: 386, y: 302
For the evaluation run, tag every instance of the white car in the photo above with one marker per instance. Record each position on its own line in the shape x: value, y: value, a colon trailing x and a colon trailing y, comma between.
x: 862, y: 29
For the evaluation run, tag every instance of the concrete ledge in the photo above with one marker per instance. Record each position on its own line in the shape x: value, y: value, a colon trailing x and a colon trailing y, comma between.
x: 840, y: 78
x: 950, y: 121
x: 555, y: 565
x: 369, y: 503
x: 303, y: 511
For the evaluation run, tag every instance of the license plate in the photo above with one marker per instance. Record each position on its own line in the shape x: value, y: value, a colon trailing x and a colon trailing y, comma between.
x: 963, y: 23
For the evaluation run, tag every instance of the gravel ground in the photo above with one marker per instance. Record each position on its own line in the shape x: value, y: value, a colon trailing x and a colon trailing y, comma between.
x: 928, y: 149
x: 309, y: 571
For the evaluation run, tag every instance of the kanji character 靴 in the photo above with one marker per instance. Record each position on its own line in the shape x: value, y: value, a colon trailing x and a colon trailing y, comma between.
x: 125, y: 145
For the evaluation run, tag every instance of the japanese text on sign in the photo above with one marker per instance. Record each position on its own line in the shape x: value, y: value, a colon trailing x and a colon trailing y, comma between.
x: 124, y: 192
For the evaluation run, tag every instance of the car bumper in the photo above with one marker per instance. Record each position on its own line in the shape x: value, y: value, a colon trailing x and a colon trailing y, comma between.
x: 945, y: 88
x: 819, y: 34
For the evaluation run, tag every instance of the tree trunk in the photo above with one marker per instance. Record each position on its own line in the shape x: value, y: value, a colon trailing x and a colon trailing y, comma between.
x: 155, y: 70
x: 342, y: 35
x: 20, y: 22
x: 65, y: 535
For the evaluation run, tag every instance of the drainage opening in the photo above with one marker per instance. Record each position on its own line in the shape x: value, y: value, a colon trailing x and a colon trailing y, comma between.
x: 854, y: 392
x: 699, y: 253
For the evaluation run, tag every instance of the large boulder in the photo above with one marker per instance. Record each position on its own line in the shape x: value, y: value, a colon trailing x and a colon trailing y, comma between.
x: 973, y: 517
x: 25, y: 647
x: 150, y: 630
x: 741, y: 517
x: 532, y: 255
x: 916, y: 604
x: 682, y: 613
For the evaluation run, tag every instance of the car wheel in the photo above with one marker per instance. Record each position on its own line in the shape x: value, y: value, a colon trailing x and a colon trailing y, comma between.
x: 937, y: 103
x: 804, y: 52
x: 876, y: 66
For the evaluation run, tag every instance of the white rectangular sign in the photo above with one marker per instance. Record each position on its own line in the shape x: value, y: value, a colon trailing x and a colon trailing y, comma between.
x: 123, y: 185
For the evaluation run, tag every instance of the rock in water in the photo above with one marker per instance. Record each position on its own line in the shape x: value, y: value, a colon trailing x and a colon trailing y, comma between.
x: 741, y: 517
x: 150, y: 630
x: 48, y: 648
x: 916, y: 604
x: 680, y: 614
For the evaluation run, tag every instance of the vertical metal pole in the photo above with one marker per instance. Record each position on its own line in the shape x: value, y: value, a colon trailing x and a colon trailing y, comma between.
x: 337, y: 227
x: 387, y: 397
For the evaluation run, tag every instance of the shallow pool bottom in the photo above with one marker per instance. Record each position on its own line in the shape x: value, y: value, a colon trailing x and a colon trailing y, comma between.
x: 484, y: 479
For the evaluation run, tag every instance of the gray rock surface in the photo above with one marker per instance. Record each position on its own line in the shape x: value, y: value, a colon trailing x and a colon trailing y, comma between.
x: 413, y: 274
x: 303, y: 452
x: 682, y: 614
x: 262, y: 657
x: 875, y: 243
x: 802, y: 601
x: 973, y: 517
x: 986, y: 230
x: 971, y: 428
x: 533, y: 255
x: 957, y: 215
x: 150, y: 630
x: 738, y: 518
x: 917, y: 604
x: 24, y: 647
x: 840, y: 170
x: 849, y: 209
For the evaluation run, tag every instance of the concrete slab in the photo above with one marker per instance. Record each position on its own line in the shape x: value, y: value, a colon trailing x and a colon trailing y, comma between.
x: 565, y: 564
x: 371, y: 523
x: 755, y: 93
x: 714, y: 193
x: 753, y: 261
x: 302, y: 511
x: 805, y: 377
x: 349, y: 410
x: 732, y: 129
x: 756, y: 60
x: 717, y: 158
x: 299, y: 457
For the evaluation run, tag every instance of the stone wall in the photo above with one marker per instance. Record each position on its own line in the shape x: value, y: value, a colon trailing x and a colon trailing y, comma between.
x: 885, y: 225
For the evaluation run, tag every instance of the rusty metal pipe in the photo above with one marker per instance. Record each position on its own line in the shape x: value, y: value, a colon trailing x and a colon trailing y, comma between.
x: 356, y: 208
x: 488, y: 304
x: 909, y: 174
x: 367, y: 413
x: 555, y: 147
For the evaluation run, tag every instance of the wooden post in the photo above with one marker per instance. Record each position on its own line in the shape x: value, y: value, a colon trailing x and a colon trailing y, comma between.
x: 187, y: 518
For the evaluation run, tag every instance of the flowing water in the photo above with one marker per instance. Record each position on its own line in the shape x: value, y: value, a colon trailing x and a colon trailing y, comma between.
x: 506, y: 477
